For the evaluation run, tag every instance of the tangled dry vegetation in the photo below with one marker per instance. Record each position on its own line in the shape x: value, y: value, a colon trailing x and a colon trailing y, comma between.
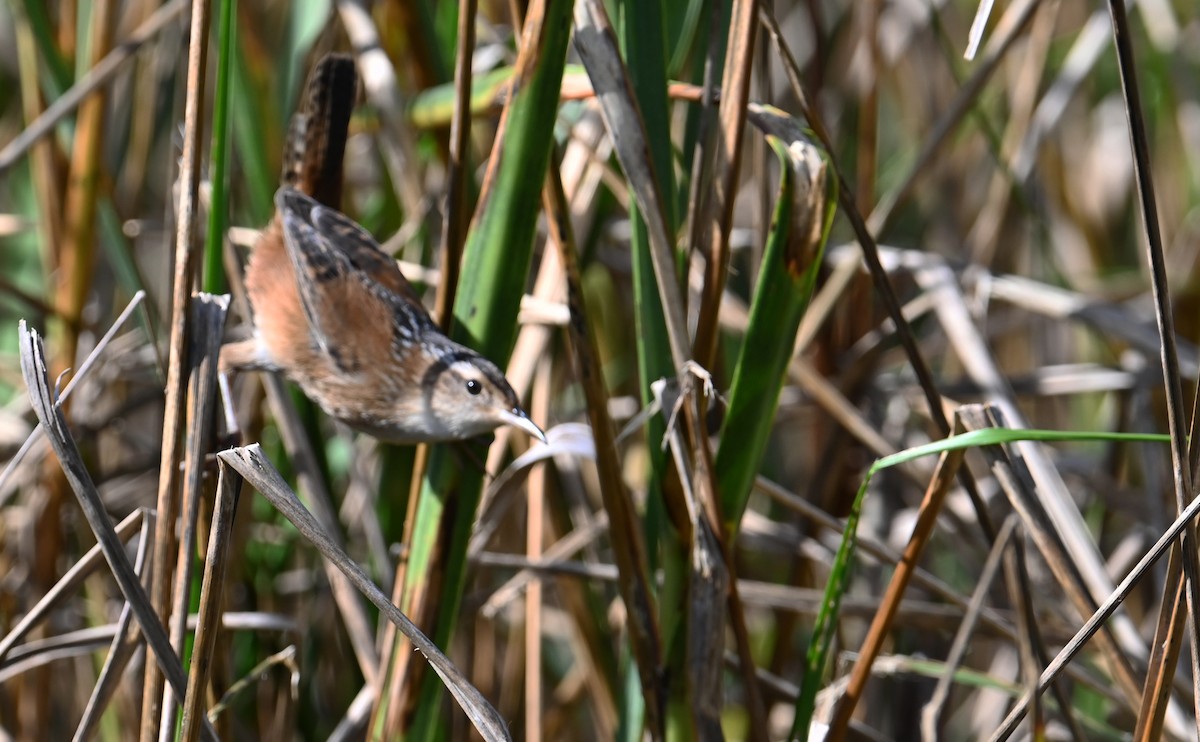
x: 732, y: 256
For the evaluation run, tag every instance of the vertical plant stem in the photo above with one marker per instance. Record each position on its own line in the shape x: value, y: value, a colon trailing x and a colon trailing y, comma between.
x: 625, y: 531
x: 455, y: 222
x: 496, y: 259
x: 1183, y: 461
x: 714, y: 237
x: 939, y: 485
x: 163, y: 563
x: 213, y: 280
x: 229, y: 487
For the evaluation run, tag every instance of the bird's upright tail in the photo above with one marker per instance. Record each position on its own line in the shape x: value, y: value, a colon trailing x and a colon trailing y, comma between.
x: 312, y: 162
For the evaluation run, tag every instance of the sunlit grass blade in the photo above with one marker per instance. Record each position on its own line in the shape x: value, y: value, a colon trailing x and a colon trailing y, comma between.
x: 787, y: 278
x: 640, y: 30
x: 250, y: 140
x: 213, y: 279
x: 823, y: 630
x: 495, y: 265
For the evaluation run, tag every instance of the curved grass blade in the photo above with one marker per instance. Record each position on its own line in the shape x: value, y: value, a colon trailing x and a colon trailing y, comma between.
x: 826, y: 622
x: 791, y: 262
x: 249, y: 462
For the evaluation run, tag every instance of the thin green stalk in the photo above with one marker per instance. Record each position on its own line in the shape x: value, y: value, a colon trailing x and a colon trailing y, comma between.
x: 218, y: 214
x: 640, y: 30
x: 791, y: 263
x: 495, y: 262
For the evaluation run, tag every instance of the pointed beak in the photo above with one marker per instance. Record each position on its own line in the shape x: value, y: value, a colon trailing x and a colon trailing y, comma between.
x: 517, y: 418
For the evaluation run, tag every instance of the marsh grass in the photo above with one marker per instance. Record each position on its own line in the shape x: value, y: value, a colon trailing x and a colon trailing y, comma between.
x: 732, y: 256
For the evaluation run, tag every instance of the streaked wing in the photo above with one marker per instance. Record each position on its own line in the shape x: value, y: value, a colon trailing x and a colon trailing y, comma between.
x: 363, y: 252
x: 338, y: 267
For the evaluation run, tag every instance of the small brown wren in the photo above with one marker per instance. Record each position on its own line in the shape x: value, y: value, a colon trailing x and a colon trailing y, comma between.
x: 335, y: 314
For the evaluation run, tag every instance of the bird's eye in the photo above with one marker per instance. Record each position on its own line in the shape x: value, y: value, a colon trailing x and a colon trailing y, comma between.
x: 474, y: 387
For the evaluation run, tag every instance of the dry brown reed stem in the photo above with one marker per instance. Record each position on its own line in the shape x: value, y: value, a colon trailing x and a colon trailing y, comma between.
x: 1185, y: 455
x: 716, y: 211
x: 1164, y: 654
x: 220, y: 541
x: 163, y: 562
x: 535, y: 535
x: 626, y: 535
x: 943, y: 479
x: 208, y: 326
x: 454, y: 222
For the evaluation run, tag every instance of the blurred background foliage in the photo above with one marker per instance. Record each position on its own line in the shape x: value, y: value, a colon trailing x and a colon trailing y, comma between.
x: 1028, y: 199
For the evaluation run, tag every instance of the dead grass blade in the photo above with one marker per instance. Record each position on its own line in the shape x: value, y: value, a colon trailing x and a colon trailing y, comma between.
x: 229, y: 486
x: 121, y: 650
x: 33, y: 368
x: 208, y: 325
x: 1183, y: 455
x: 250, y: 463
